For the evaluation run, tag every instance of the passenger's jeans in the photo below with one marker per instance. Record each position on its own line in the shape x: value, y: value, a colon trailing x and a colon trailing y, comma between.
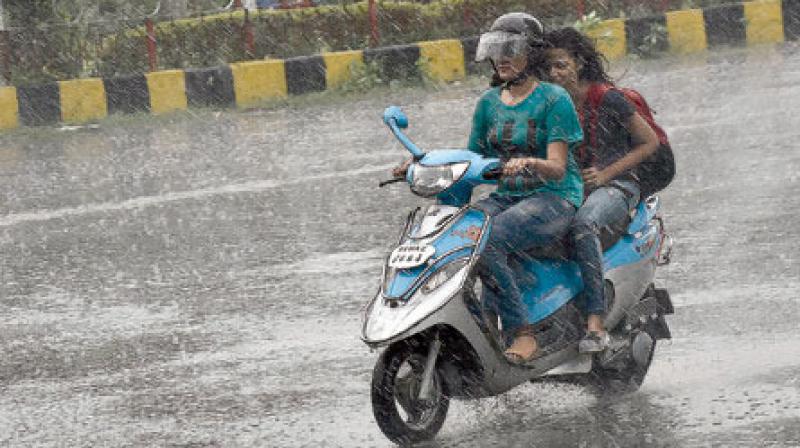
x: 605, y: 206
x: 518, y: 224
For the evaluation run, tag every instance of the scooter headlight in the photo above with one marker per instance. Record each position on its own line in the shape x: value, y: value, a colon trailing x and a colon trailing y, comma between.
x: 387, y: 319
x: 432, y: 180
x: 443, y: 275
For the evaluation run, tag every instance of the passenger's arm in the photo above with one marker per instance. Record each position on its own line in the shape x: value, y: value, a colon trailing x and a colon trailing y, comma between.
x: 646, y: 143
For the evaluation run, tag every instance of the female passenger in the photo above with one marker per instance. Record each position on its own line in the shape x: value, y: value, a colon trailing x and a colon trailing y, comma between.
x: 617, y: 140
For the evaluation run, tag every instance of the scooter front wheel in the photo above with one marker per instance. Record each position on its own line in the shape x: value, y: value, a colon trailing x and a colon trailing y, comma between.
x: 402, y: 416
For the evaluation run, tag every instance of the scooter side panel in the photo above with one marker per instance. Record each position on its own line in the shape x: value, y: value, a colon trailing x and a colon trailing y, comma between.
x: 630, y: 282
x: 630, y: 267
x: 557, y: 282
x: 645, y: 212
x: 631, y: 249
x: 499, y: 374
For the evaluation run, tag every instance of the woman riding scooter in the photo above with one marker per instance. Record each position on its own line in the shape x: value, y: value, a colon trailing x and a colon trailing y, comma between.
x: 533, y: 128
x: 617, y: 140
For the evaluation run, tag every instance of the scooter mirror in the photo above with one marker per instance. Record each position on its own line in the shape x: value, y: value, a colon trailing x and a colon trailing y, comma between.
x: 394, y: 113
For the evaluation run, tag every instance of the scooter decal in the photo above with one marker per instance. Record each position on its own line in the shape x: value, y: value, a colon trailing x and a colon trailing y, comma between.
x: 449, y: 244
x: 408, y: 280
x: 472, y: 233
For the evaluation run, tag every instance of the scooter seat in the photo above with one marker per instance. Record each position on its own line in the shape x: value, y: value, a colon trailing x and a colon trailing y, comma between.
x: 559, y: 250
x: 562, y: 249
x: 611, y: 234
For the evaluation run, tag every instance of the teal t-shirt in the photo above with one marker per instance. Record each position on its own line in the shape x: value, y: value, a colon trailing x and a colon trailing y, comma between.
x: 524, y: 130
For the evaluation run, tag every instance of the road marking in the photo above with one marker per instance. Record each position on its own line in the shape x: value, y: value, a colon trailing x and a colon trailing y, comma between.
x: 150, y: 201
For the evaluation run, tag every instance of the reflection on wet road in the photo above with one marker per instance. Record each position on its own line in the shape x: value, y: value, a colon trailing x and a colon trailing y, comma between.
x: 196, y: 281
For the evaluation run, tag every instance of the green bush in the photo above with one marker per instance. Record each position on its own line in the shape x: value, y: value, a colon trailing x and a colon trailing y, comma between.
x: 219, y: 39
x: 42, y: 55
x: 46, y: 53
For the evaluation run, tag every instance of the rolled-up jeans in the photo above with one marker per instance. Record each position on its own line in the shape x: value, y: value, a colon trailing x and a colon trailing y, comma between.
x: 605, y: 206
x: 518, y: 224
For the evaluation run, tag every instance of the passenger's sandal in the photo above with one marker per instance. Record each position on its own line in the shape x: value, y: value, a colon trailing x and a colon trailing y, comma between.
x: 594, y: 342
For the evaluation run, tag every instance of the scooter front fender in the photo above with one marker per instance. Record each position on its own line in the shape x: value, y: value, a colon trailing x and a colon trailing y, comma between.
x: 387, y: 320
x: 498, y: 375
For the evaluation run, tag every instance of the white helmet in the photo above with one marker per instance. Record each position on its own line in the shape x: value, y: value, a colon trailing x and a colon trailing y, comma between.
x: 512, y: 34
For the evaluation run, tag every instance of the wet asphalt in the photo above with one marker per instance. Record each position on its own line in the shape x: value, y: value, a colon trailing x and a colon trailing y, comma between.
x: 195, y: 280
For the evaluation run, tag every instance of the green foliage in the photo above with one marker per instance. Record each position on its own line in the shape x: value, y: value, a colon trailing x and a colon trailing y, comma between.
x: 111, y: 43
x: 587, y: 22
x: 688, y: 4
x: 655, y: 42
x: 218, y: 39
x: 42, y: 55
x: 363, y: 77
x: 424, y: 73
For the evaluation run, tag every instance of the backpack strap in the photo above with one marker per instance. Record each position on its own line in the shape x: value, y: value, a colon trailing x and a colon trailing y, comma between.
x: 591, y: 116
x: 644, y: 110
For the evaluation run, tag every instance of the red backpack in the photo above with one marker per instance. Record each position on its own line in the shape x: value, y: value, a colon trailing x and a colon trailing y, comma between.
x: 658, y: 170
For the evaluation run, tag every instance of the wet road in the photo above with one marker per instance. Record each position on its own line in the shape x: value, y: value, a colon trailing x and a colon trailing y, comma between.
x: 195, y: 281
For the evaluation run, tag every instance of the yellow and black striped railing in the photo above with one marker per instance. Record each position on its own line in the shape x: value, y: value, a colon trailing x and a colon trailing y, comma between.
x: 246, y: 84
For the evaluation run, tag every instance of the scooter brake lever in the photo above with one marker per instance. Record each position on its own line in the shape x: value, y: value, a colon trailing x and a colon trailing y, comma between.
x: 384, y: 183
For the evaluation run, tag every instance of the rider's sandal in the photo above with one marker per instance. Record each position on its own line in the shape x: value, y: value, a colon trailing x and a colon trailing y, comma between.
x: 517, y: 355
x: 594, y: 342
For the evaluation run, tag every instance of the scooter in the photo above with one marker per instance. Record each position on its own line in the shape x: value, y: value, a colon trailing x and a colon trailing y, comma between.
x: 440, y: 342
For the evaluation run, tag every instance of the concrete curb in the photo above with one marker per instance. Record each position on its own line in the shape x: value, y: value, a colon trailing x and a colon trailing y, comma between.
x: 245, y: 84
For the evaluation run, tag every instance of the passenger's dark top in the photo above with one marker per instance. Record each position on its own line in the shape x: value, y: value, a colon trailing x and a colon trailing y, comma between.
x: 611, y: 139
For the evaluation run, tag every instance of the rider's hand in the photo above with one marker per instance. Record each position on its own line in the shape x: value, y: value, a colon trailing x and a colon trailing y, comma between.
x: 594, y: 178
x: 515, y: 166
x: 400, y: 170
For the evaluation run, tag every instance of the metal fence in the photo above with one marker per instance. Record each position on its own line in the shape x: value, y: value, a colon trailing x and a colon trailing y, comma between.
x: 118, y: 47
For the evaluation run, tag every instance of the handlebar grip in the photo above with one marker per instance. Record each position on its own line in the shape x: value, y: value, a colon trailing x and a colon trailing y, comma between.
x: 493, y: 174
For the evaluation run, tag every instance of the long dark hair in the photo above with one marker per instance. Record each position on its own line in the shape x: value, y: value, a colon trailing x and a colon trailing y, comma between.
x: 583, y: 50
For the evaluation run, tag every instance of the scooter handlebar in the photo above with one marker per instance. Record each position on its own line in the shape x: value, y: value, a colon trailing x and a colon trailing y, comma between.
x: 384, y: 183
x: 493, y: 174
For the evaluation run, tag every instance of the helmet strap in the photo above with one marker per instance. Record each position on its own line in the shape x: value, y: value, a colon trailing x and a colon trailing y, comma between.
x: 519, y: 79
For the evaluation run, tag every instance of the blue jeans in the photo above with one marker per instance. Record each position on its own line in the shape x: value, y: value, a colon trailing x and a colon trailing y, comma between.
x: 518, y: 224
x: 605, y: 206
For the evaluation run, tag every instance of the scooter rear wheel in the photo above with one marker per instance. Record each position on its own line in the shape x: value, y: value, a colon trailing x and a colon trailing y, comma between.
x: 396, y: 381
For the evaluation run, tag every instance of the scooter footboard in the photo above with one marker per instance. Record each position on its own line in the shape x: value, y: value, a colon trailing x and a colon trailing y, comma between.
x: 560, y: 330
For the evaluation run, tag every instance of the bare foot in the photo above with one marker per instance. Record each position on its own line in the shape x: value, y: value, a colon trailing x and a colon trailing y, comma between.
x: 523, y: 349
x: 594, y: 324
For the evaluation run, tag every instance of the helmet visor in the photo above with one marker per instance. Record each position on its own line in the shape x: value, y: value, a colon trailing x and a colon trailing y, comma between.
x: 501, y: 44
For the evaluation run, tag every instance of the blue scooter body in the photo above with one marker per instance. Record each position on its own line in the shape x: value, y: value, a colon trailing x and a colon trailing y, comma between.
x: 441, y: 341
x: 558, y: 281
